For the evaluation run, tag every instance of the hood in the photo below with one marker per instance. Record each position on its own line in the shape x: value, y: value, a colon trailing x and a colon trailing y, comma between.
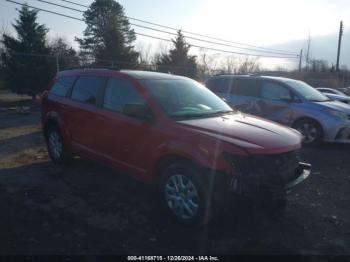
x: 252, y: 134
x: 335, y: 105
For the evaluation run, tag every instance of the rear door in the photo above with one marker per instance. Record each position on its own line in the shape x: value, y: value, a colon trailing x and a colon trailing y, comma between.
x: 276, y: 102
x: 86, y: 95
x: 245, y: 95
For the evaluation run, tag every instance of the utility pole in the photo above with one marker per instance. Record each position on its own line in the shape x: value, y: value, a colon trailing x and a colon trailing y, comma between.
x: 339, y: 45
x: 308, y: 49
x: 300, y: 59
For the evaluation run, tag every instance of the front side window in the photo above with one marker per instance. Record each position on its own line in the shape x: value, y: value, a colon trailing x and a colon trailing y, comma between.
x: 120, y: 92
x: 274, y: 91
x: 86, y: 89
x: 62, y: 85
x: 185, y: 98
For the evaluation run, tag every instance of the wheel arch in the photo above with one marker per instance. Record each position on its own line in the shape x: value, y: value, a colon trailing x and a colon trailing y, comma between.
x: 166, y: 160
x: 306, y: 118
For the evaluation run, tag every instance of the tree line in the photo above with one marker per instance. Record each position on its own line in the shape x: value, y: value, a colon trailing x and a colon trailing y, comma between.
x: 29, y: 60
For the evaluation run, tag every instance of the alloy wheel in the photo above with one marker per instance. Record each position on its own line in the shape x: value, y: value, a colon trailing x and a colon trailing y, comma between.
x: 182, y: 196
x: 309, y: 132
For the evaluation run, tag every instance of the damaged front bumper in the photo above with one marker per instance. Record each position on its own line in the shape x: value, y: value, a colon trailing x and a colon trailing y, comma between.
x: 265, y: 179
x: 301, y: 173
x: 253, y: 185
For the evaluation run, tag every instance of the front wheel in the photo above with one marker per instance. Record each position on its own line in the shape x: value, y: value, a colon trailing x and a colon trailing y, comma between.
x: 310, y: 130
x: 184, y: 195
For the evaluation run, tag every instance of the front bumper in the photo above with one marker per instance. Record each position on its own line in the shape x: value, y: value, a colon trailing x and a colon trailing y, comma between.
x: 301, y: 173
x: 257, y: 186
x: 337, y: 132
x: 267, y: 188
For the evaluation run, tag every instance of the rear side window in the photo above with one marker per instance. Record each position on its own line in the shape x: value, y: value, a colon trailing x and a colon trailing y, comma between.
x: 86, y: 89
x: 274, y: 91
x: 247, y: 87
x: 62, y: 85
x: 220, y: 85
x: 120, y: 92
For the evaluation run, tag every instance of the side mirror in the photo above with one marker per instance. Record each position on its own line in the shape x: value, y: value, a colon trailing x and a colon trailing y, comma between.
x: 138, y: 111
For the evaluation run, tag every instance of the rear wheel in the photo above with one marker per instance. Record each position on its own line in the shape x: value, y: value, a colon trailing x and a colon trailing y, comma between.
x: 55, y: 146
x: 184, y: 194
x: 310, y: 130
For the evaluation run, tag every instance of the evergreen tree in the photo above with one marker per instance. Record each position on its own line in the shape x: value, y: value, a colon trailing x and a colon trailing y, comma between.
x: 178, y: 61
x: 108, y: 35
x: 27, y: 74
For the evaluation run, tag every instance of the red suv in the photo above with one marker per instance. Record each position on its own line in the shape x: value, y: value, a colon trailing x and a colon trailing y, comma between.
x: 175, y: 133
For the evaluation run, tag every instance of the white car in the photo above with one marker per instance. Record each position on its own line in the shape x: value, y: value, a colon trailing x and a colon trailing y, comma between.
x: 334, y: 94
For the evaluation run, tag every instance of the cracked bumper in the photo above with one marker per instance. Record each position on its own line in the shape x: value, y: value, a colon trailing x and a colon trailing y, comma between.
x: 302, y: 173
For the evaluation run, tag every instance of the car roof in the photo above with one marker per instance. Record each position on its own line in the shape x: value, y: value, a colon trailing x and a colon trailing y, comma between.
x: 283, y: 79
x: 136, y: 74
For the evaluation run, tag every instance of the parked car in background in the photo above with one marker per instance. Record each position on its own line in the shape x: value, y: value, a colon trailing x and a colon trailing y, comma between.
x: 334, y: 94
x: 172, y: 132
x: 287, y: 101
x: 345, y: 90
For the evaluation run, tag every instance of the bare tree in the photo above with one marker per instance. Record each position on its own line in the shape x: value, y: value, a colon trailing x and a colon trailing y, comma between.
x: 145, y: 55
x: 229, y: 64
x: 248, y: 65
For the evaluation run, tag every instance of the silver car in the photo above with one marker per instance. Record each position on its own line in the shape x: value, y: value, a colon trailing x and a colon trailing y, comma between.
x: 334, y: 94
x: 287, y: 101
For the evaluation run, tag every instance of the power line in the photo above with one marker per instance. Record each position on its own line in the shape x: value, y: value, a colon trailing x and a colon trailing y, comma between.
x: 192, y: 33
x: 215, y: 49
x: 170, y: 33
x: 154, y: 37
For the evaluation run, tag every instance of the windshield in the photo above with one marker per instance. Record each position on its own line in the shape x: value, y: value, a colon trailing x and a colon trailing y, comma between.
x: 306, y: 91
x: 185, y: 98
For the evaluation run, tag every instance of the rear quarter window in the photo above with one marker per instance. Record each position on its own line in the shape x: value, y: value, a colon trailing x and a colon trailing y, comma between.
x: 62, y: 85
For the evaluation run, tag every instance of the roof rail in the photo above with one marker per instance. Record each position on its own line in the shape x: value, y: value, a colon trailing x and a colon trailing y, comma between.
x: 94, y: 67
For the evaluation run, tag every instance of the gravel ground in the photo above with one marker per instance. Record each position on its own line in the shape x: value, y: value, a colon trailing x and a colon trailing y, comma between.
x: 89, y: 209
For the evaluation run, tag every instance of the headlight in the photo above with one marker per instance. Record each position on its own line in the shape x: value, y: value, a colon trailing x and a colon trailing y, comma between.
x: 338, y: 114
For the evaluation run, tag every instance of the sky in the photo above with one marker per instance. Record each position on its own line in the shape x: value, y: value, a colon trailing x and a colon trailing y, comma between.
x: 260, y: 23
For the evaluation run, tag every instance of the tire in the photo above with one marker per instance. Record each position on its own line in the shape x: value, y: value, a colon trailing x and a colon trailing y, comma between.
x: 55, y: 146
x: 184, y: 195
x: 311, y: 130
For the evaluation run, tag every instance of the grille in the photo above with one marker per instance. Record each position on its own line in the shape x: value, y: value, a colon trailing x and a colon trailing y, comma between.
x: 283, y: 165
